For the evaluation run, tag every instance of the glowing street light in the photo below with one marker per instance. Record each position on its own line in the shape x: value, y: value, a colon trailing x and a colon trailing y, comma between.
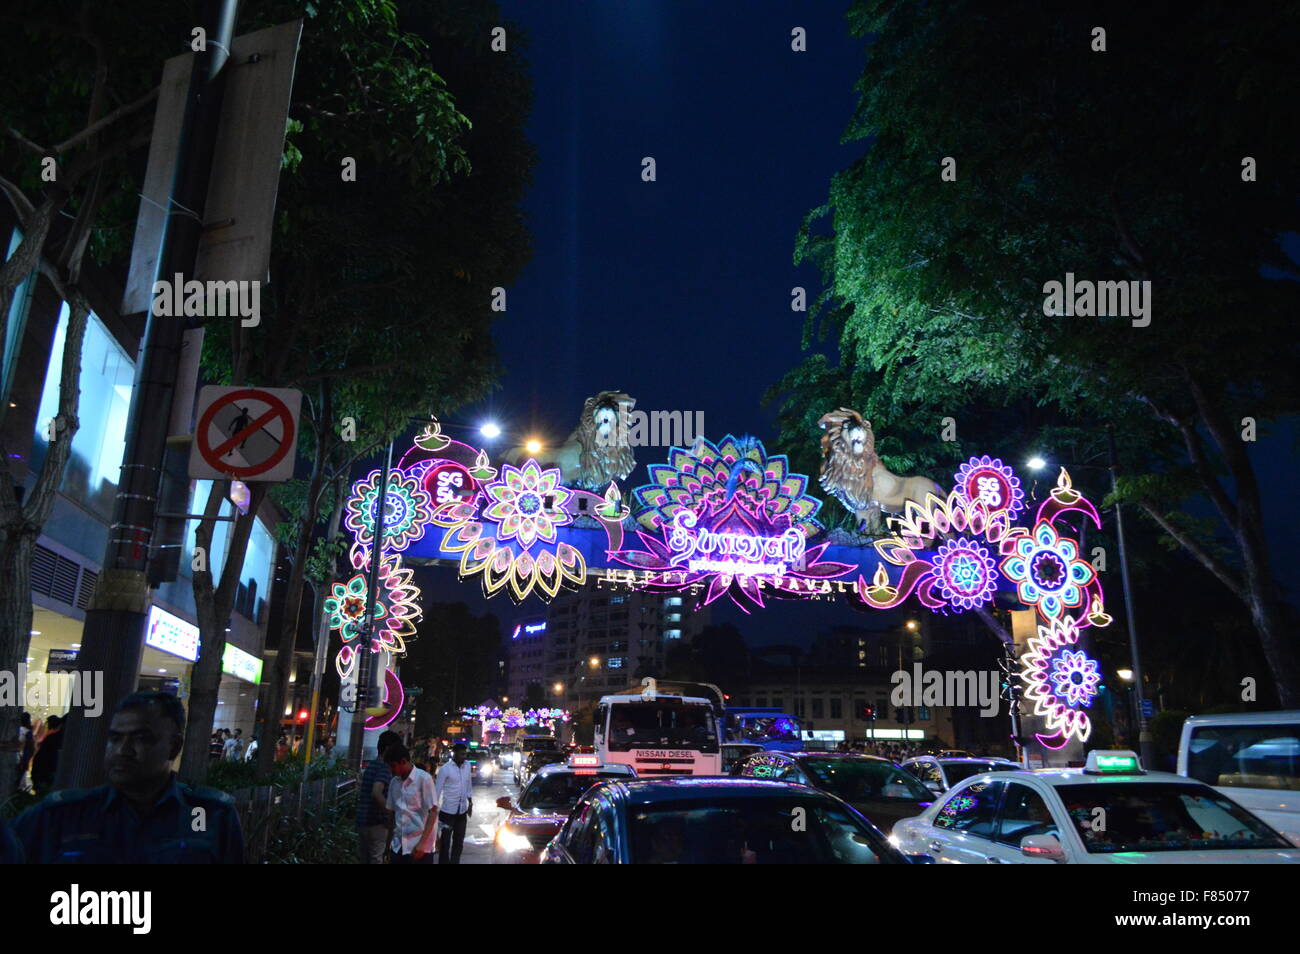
x: 490, y: 430
x: 595, y: 662
x: 558, y: 687
x: 533, y: 446
x: 911, y: 625
x: 1035, y: 463
x: 1125, y: 674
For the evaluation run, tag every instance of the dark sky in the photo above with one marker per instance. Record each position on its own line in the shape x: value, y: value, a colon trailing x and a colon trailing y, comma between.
x: 678, y: 291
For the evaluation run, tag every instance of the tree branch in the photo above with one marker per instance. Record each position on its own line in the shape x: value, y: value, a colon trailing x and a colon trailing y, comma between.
x: 1203, y: 556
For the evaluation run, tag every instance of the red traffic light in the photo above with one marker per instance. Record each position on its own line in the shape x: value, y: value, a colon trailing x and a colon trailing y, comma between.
x: 302, y: 716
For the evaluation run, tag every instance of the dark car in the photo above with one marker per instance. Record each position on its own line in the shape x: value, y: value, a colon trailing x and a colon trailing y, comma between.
x: 705, y: 820
x: 875, y: 786
x: 543, y: 807
x: 535, y: 760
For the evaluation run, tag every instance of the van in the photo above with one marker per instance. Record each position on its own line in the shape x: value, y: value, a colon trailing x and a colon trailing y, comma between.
x: 1251, y: 757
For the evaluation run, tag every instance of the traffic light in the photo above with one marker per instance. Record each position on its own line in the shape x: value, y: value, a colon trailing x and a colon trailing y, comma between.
x: 869, y: 713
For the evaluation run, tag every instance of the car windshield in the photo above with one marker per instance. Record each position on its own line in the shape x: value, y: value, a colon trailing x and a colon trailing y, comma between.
x: 1246, y: 756
x: 537, y: 759
x: 662, y: 723
x: 530, y: 745
x: 960, y: 771
x: 778, y: 728
x: 857, y: 780
x: 1156, y: 816
x: 561, y: 791
x: 751, y: 831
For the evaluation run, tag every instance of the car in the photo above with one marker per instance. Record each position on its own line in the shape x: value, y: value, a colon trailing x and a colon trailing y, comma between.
x: 733, y: 752
x: 953, y: 754
x: 939, y: 774
x: 716, y: 820
x: 544, y: 805
x: 1252, y: 757
x: 535, y: 760
x: 1109, y: 812
x: 873, y: 785
x: 482, y: 766
x: 528, y: 744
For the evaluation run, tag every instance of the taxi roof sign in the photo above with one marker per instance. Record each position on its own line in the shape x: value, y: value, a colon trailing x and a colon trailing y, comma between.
x: 584, y: 760
x: 1113, y: 762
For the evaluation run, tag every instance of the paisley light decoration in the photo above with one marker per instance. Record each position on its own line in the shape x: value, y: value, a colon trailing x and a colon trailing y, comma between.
x: 395, y: 615
x: 988, y: 479
x: 731, y: 518
x: 508, y: 533
x: 394, y: 698
x: 407, y: 510
x: 1060, y: 681
x: 960, y: 572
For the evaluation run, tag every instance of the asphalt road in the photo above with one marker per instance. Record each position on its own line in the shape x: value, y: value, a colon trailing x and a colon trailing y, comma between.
x: 482, y: 825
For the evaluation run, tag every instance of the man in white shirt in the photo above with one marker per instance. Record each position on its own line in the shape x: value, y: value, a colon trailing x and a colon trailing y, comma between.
x: 412, y: 800
x: 455, y: 804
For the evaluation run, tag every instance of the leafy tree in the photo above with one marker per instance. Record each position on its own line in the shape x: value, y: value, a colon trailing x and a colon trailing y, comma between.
x: 1123, y: 165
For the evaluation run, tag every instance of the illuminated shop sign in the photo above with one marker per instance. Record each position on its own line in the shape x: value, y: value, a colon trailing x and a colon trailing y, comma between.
x: 172, y: 634
x: 240, y: 664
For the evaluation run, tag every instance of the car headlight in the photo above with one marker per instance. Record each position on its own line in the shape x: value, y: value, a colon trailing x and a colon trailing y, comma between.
x: 508, y: 840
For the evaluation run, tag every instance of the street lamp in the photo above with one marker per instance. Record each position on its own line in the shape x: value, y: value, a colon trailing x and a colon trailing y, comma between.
x: 534, y: 446
x: 490, y: 430
x: 1035, y: 463
x: 595, y: 662
x: 558, y: 687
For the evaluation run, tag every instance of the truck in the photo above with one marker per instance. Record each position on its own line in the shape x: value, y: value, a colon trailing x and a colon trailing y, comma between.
x: 662, y: 728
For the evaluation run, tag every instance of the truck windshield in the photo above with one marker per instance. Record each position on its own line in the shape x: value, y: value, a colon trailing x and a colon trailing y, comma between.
x: 1246, y: 756
x: 662, y: 723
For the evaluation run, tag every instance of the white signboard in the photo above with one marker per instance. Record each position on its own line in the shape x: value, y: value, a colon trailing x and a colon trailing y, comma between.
x: 172, y: 634
x: 245, y: 433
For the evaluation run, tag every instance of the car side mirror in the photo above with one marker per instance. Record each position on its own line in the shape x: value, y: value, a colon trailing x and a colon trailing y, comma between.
x: 1042, y: 846
x: 504, y: 802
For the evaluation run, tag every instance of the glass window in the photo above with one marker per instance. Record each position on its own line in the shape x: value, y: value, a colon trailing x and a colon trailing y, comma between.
x: 837, y: 708
x: 1246, y: 756
x: 973, y: 810
x: 1024, y: 813
x: 751, y: 831
x: 17, y: 320
x: 865, y: 779
x: 1160, y: 816
x: 818, y: 706
x: 960, y: 771
x: 106, y: 376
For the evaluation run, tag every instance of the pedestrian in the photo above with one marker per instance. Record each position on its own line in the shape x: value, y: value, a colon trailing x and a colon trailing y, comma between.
x: 413, y: 802
x: 45, y: 762
x: 26, y: 748
x: 282, y: 749
x: 455, y: 804
x: 144, y: 815
x: 251, y: 751
x: 217, y: 745
x: 374, y: 820
x: 233, y: 746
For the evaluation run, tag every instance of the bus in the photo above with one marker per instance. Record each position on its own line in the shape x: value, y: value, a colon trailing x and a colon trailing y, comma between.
x: 773, y: 729
x: 662, y: 728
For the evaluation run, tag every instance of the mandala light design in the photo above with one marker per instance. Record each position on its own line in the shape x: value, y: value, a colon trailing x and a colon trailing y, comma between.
x: 960, y: 573
x: 1048, y: 572
x: 528, y: 504
x: 1075, y: 677
x: 730, y: 517
x: 497, y: 531
x: 395, y: 615
x: 966, y: 575
x: 407, y: 509
x: 1060, y: 681
x: 988, y: 479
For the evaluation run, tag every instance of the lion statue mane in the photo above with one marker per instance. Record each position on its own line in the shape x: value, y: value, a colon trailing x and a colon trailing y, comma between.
x: 596, y: 453
x: 852, y: 473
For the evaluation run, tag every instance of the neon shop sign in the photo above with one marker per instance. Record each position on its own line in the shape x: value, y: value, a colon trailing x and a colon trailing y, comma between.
x: 736, y: 554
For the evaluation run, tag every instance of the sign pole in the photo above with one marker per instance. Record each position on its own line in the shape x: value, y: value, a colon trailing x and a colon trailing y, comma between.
x: 365, y: 670
x: 112, y: 642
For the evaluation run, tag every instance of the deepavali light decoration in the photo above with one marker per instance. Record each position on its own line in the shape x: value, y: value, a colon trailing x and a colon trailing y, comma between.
x: 947, y: 550
x: 407, y: 509
x: 1048, y: 572
x: 988, y: 479
x: 394, y: 698
x: 508, y: 534
x: 514, y: 718
x: 731, y: 518
x: 395, y: 613
x: 1060, y: 681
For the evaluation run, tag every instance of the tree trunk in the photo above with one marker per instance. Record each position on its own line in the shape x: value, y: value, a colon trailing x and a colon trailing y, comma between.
x: 269, y: 717
x: 15, y: 629
x: 213, y: 606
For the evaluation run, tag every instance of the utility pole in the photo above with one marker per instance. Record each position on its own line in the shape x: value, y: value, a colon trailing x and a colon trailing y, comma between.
x: 1144, y: 731
x: 112, y: 642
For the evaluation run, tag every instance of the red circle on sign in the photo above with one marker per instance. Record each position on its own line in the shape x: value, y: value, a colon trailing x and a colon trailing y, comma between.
x: 277, y: 409
x: 975, y: 492
x: 449, y: 482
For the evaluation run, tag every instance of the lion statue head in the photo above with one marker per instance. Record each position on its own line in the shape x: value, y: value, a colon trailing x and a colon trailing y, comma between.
x: 848, y: 459
x: 601, y: 436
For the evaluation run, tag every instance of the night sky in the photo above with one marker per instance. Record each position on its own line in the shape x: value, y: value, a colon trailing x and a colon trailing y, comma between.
x: 678, y: 291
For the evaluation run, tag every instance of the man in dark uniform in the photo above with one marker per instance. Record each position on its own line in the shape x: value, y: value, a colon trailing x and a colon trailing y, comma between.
x: 144, y: 815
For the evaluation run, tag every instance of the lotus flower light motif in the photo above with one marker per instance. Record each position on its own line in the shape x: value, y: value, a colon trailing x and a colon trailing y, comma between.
x: 407, y: 510
x: 1048, y: 571
x: 1059, y: 680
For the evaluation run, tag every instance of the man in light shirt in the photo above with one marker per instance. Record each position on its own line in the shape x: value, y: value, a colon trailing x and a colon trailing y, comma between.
x: 455, y: 804
x: 411, y: 799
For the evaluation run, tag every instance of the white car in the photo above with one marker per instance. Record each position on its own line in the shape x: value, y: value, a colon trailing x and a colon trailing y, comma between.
x: 1110, y: 812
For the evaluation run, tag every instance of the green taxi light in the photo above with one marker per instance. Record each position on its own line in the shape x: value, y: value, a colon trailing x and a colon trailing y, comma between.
x: 1117, y: 763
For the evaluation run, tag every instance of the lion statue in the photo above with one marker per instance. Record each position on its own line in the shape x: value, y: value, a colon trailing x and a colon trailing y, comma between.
x: 853, y: 474
x: 597, y: 452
